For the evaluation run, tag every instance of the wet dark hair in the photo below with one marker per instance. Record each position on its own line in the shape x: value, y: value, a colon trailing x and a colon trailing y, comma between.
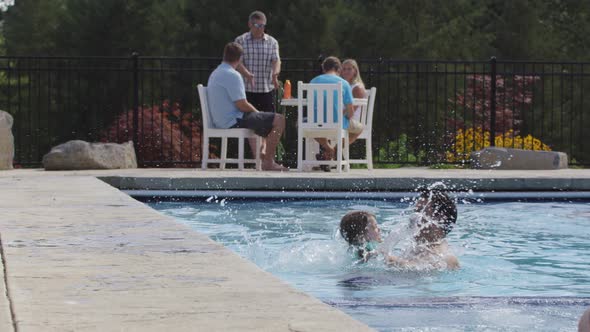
x: 353, y: 226
x: 443, y: 208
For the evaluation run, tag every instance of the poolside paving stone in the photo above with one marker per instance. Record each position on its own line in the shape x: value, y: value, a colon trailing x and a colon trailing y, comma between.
x: 5, y: 319
x: 83, y: 256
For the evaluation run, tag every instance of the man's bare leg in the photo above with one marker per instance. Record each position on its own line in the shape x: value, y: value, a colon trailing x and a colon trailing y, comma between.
x: 353, y: 137
x: 329, y: 151
x: 272, y: 140
x: 252, y: 141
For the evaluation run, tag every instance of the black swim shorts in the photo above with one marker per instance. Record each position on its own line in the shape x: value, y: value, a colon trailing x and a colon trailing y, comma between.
x: 260, y: 122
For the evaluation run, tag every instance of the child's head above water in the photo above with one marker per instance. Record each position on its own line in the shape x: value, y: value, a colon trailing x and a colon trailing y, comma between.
x: 359, y: 227
x: 438, y: 215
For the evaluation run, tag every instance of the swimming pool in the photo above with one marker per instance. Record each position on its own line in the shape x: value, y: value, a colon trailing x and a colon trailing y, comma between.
x: 524, y: 265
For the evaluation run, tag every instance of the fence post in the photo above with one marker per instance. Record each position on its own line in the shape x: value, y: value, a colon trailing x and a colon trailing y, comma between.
x: 136, y: 145
x: 321, y: 59
x: 493, y: 102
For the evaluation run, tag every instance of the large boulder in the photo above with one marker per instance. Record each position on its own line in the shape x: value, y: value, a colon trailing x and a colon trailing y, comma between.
x: 503, y: 158
x: 77, y: 155
x: 6, y: 141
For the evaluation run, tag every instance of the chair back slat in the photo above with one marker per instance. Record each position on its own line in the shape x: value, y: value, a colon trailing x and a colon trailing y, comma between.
x: 309, y: 104
x: 323, y: 103
x: 329, y: 106
x: 317, y: 110
x: 368, y: 121
x: 204, y: 107
x: 363, y: 109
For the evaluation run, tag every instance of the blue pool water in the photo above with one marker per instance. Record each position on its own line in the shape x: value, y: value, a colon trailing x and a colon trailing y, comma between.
x: 524, y: 266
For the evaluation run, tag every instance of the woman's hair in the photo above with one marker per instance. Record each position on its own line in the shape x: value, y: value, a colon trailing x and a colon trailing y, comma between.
x: 357, y: 78
x: 353, y: 226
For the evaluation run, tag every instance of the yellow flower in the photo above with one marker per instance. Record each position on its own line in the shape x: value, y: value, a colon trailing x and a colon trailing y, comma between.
x: 474, y: 139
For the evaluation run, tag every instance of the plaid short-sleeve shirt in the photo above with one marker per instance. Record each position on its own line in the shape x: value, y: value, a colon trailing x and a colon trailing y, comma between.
x: 258, y: 57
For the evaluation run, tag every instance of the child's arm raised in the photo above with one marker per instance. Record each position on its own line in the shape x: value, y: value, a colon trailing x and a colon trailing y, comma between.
x: 452, y: 262
x: 397, y: 261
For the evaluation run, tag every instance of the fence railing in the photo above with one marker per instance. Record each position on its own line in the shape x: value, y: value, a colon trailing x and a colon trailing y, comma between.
x: 426, y: 112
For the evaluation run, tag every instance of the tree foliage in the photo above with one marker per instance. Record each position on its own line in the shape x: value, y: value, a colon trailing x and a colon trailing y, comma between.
x: 363, y: 29
x: 418, y: 29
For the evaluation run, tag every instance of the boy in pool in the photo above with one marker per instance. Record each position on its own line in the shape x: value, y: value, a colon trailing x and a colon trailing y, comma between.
x: 360, y: 230
x: 435, y: 217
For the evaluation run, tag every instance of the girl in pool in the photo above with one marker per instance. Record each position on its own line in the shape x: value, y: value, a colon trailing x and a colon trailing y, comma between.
x: 360, y: 230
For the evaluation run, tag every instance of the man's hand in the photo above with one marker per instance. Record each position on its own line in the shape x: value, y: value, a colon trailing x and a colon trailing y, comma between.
x: 349, y: 111
x: 244, y: 106
x: 275, y: 81
x: 249, y: 78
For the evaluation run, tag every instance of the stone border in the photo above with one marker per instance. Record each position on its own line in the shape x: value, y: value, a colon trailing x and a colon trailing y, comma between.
x: 82, y: 255
x: 346, y: 184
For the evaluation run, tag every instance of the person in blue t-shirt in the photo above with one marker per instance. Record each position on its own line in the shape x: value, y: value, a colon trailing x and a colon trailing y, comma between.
x: 331, y: 66
x: 229, y: 107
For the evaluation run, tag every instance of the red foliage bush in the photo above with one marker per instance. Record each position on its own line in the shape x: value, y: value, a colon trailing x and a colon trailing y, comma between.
x: 513, y: 97
x: 167, y: 136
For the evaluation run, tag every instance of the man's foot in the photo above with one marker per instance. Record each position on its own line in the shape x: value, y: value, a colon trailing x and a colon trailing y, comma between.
x: 325, y: 168
x: 274, y: 167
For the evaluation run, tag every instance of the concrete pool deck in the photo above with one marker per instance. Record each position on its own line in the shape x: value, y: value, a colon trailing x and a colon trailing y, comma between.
x: 80, y: 255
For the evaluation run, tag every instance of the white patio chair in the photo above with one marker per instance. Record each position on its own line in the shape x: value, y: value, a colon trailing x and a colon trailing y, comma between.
x: 240, y: 133
x: 321, y: 122
x: 367, y: 120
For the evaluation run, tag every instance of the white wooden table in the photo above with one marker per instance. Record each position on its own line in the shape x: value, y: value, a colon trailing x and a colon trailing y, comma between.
x: 293, y: 102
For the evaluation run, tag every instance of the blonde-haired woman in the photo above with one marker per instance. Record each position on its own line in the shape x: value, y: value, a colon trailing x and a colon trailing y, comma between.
x: 350, y: 72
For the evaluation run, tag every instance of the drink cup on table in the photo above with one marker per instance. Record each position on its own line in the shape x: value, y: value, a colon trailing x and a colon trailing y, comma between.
x: 287, y: 90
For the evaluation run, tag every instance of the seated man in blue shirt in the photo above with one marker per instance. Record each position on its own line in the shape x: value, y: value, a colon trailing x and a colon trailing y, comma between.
x: 331, y: 68
x: 230, y: 109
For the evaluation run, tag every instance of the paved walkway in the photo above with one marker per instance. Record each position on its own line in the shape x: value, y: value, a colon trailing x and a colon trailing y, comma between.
x: 80, y: 255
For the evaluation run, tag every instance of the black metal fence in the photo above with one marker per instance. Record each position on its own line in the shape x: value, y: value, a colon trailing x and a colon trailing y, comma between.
x: 426, y: 112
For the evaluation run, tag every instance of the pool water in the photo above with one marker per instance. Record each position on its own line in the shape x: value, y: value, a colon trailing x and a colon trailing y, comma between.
x: 524, y: 265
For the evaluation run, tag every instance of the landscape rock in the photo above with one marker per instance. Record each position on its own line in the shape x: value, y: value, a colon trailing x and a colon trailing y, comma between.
x: 6, y: 141
x: 504, y: 158
x: 79, y: 155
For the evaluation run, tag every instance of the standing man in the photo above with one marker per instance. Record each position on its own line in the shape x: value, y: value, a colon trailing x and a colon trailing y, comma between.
x: 260, y: 64
x: 230, y: 109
